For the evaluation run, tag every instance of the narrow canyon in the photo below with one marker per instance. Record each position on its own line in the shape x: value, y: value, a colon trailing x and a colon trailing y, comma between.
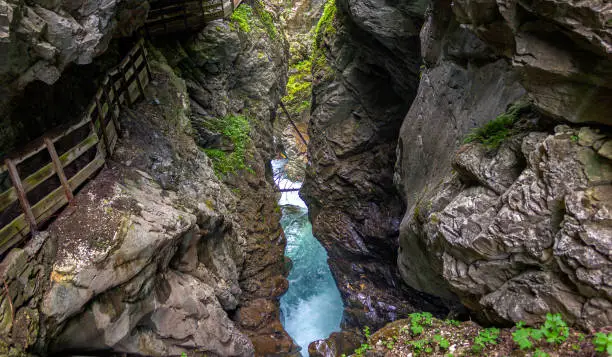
x: 323, y: 178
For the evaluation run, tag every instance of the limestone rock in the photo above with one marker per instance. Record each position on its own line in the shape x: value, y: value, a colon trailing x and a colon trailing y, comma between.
x: 547, y: 48
x: 358, y: 105
x: 540, y: 244
x: 39, y: 40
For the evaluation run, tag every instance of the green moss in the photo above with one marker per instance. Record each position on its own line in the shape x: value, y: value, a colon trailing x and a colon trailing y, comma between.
x: 493, y: 133
x: 266, y: 19
x: 325, y: 26
x: 236, y: 128
x: 242, y: 18
x: 299, y: 87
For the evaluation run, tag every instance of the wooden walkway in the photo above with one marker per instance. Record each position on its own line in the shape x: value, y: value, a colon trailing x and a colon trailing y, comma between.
x: 122, y: 85
x: 171, y: 16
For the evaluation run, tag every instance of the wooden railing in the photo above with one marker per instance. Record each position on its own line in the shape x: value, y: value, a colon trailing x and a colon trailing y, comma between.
x: 170, y: 16
x: 122, y: 85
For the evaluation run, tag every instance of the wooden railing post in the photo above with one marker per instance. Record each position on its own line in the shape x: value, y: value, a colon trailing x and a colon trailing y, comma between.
x: 59, y: 169
x: 111, y: 108
x: 124, y: 87
x: 137, y: 74
x: 102, y: 126
x: 144, y: 56
x: 23, y: 199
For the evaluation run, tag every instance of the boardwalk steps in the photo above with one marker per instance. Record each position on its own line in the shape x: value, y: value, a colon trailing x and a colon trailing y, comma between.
x: 172, y: 16
x: 122, y: 85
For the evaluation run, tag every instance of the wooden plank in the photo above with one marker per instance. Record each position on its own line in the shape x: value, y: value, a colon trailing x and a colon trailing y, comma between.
x: 9, y: 196
x: 111, y: 109
x: 17, y: 230
x: 138, y: 81
x: 69, y: 131
x: 146, y: 60
x: 104, y: 135
x: 23, y: 157
x: 86, y: 172
x: 112, y: 135
x: 59, y: 170
x: 23, y: 200
x: 13, y: 233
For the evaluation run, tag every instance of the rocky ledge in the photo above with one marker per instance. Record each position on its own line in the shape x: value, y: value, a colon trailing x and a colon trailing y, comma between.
x: 516, y: 223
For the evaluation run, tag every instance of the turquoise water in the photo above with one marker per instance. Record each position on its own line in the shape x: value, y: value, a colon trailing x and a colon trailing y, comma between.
x: 312, y: 307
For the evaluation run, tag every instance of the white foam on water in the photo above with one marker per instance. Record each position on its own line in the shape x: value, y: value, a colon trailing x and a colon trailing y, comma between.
x: 312, y: 307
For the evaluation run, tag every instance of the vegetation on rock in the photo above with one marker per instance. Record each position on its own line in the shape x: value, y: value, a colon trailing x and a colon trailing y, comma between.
x: 236, y: 128
x: 242, y: 18
x: 423, y: 335
x: 492, y: 134
x: 266, y: 19
x: 325, y: 26
x: 299, y: 87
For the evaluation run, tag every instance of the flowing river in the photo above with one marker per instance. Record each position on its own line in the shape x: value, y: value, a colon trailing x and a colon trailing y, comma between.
x: 312, y: 307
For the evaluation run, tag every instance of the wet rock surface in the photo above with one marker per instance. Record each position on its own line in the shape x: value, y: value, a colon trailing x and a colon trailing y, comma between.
x: 358, y: 104
x: 161, y: 253
x: 230, y: 72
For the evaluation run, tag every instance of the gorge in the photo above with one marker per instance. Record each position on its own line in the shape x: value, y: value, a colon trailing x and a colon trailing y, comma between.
x: 456, y: 160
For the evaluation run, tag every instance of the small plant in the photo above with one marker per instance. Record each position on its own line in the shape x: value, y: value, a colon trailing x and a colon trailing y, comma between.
x: 540, y: 353
x: 555, y: 330
x: 362, y: 349
x: 485, y: 337
x: 419, y: 346
x: 366, y: 331
x: 522, y: 337
x: 444, y: 343
x: 237, y: 129
x: 389, y: 343
x: 183, y: 354
x: 493, y: 133
x: 574, y: 138
x: 242, y: 17
x: 418, y: 320
x: 452, y: 322
x: 603, y: 342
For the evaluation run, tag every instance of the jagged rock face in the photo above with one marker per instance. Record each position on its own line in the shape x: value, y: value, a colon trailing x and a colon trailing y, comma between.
x: 521, y: 230
x: 136, y: 266
x: 39, y: 39
x: 563, y: 50
x: 229, y: 72
x: 161, y: 256
x: 357, y: 110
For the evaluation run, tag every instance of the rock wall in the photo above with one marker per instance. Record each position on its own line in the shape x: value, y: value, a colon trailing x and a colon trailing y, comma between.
x: 523, y: 229
x: 230, y: 70
x: 359, y: 100
x: 39, y: 39
x: 164, y: 252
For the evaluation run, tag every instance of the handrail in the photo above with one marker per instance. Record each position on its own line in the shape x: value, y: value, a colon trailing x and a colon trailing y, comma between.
x: 123, y: 84
x: 170, y: 16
